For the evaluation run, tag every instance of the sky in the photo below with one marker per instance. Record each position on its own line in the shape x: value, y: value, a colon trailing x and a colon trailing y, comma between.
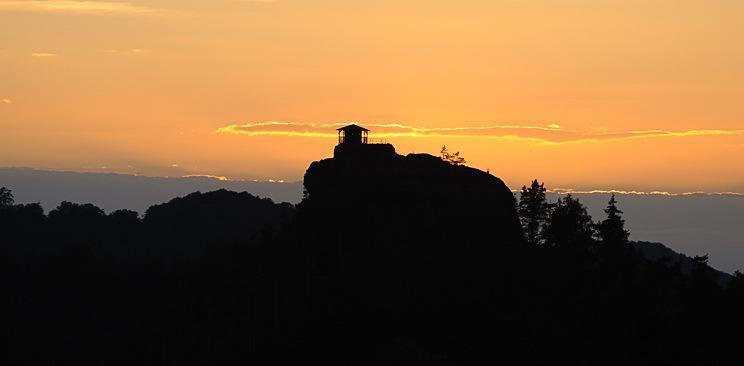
x: 635, y: 95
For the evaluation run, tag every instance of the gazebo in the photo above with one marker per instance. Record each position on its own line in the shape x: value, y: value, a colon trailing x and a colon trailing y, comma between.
x: 352, y: 134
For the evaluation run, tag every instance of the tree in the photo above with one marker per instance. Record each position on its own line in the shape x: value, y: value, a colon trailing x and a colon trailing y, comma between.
x: 533, y: 210
x: 703, y: 277
x: 6, y: 197
x: 569, y: 225
x: 452, y: 158
x: 612, y: 229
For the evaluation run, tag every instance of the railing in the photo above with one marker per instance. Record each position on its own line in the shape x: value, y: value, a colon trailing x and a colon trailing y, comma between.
x: 365, y: 140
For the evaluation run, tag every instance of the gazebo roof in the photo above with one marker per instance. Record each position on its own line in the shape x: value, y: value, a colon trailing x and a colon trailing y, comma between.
x: 352, y: 127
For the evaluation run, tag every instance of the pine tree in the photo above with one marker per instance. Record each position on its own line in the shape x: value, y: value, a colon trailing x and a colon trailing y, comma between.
x: 612, y: 229
x: 533, y: 211
x: 569, y: 225
x: 6, y: 197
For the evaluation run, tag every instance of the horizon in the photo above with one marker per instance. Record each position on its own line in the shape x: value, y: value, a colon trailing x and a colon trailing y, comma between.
x: 694, y: 224
x: 514, y: 188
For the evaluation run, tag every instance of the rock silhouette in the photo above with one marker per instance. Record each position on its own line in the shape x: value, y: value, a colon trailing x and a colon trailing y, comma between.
x: 396, y: 241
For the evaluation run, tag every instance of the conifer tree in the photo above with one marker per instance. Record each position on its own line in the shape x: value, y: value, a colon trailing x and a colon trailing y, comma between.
x: 533, y: 210
x: 6, y: 197
x: 569, y: 225
x: 612, y: 229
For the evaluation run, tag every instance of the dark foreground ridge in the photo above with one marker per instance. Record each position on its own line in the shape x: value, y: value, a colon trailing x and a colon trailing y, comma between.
x: 389, y: 260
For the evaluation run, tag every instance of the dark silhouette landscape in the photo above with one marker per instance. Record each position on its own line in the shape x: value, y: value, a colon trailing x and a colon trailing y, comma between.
x: 387, y: 260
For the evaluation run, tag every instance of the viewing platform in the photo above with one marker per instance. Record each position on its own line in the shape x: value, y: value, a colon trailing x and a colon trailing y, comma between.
x: 354, y: 141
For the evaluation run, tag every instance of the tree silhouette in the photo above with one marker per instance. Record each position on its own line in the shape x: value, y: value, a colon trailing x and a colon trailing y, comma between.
x: 6, y: 197
x: 612, y: 229
x: 569, y: 225
x: 533, y: 210
x: 452, y: 158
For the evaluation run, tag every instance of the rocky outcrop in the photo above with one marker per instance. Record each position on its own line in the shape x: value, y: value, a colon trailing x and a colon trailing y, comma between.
x: 370, y: 194
x: 390, y: 242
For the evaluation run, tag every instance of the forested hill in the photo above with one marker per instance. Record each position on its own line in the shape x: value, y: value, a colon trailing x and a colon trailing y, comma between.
x: 660, y: 252
x: 389, y: 259
x: 111, y: 191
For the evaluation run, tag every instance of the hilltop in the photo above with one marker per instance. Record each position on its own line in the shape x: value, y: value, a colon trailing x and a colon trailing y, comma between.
x: 370, y: 193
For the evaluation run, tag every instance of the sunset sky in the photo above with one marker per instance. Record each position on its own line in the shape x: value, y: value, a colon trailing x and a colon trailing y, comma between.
x: 643, y: 95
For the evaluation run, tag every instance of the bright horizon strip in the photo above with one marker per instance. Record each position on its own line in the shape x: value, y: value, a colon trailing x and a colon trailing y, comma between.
x: 565, y: 191
x: 439, y: 132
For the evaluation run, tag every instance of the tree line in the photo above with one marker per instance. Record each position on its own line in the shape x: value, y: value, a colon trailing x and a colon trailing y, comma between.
x: 226, y: 277
x: 567, y: 221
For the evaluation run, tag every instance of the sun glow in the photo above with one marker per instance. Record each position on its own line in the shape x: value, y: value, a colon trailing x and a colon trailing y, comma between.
x: 635, y: 95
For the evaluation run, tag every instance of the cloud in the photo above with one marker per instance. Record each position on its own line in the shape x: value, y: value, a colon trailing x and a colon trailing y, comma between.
x: 77, y: 7
x: 551, y: 134
x: 564, y: 191
x: 43, y: 55
x: 207, y: 176
x: 124, y: 52
x: 7, y: 101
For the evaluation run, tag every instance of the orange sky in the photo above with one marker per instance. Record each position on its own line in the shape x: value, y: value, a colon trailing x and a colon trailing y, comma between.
x: 585, y: 94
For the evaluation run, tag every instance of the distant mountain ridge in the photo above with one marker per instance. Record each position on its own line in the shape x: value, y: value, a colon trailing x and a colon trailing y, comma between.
x: 113, y: 191
x: 660, y: 252
x: 695, y: 225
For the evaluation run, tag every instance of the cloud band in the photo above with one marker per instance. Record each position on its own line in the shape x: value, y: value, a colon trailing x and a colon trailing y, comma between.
x: 551, y: 134
x: 80, y: 7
